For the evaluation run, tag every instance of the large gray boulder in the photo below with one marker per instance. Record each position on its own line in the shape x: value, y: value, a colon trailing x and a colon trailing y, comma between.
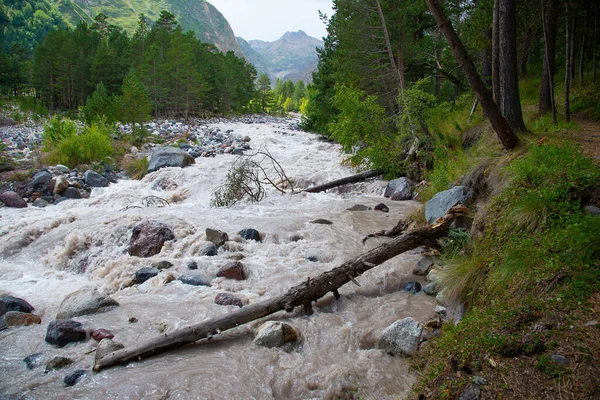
x: 12, y: 199
x: 402, y: 337
x: 94, y: 179
x: 169, y: 157
x: 443, y: 201
x: 399, y: 189
x: 84, y: 302
x: 275, y: 334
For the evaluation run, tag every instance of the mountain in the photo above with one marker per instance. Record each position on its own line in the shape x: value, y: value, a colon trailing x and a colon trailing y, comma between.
x: 294, y: 56
x: 253, y: 57
x: 199, y: 16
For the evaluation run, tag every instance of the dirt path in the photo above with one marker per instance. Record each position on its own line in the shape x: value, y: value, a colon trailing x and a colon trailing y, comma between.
x: 588, y: 137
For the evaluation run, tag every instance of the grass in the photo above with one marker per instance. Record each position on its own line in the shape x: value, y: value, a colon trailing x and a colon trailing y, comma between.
x: 136, y: 168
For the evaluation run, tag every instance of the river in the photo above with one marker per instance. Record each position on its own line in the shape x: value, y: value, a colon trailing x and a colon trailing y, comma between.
x: 47, y: 253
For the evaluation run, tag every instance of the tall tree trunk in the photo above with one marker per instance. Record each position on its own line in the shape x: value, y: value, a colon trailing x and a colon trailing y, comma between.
x: 487, y: 62
x: 584, y: 36
x: 505, y: 133
x: 388, y: 45
x: 550, y: 22
x: 595, y: 48
x: 509, y: 76
x: 496, y: 55
x: 574, y: 13
x: 568, y: 50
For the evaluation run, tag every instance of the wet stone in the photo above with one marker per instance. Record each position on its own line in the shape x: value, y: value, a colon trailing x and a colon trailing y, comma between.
x: 402, y: 337
x: 210, y: 250
x: 321, y: 221
x: 71, y: 193
x: 62, y: 332
x: 162, y: 265
x: 412, y: 287
x: 33, y: 361
x: 358, y: 207
x: 191, y: 265
x: 382, y: 207
x: 232, y: 270
x: 106, y: 346
x: 84, y: 302
x: 73, y: 378
x: 423, y: 266
x: 58, y: 362
x: 99, y: 334
x: 16, y: 304
x: 194, y: 280
x: 16, y: 318
x: 275, y: 334
x: 228, y: 299
x: 148, y: 238
x: 12, y: 199
x: 41, y: 177
x: 94, y: 179
x: 250, y: 234
x: 216, y: 236
x: 143, y: 274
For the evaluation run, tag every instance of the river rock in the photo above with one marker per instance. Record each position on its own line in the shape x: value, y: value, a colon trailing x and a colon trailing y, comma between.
x: 12, y: 199
x: 209, y: 250
x: 228, y: 299
x: 412, y: 287
x: 216, y: 236
x: 16, y: 318
x: 321, y: 221
x: 275, y: 334
x: 71, y: 193
x: 73, y: 378
x: 382, y: 207
x: 84, y: 302
x: 191, y: 264
x: 402, y: 337
x: 64, y: 331
x: 194, y: 280
x: 100, y: 334
x: 12, y: 303
x: 60, y: 185
x: 162, y: 265
x: 58, y: 362
x: 250, y: 234
x: 232, y: 270
x: 143, y: 274
x: 148, y: 238
x: 443, y: 201
x: 41, y: 177
x: 63, y: 169
x: 94, y: 179
x: 472, y: 392
x: 106, y: 346
x: 40, y: 203
x: 423, y: 266
x: 399, y: 189
x: 34, y: 360
x: 358, y: 207
x: 431, y: 289
x: 169, y: 157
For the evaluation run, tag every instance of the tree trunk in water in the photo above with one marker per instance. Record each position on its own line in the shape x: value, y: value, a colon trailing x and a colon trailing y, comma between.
x: 496, y: 55
x: 505, y: 133
x: 344, y: 181
x: 509, y: 75
x: 568, y: 50
x: 550, y: 23
x: 303, y: 294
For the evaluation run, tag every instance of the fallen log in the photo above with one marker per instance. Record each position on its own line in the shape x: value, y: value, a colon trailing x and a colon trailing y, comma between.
x: 343, y: 181
x: 303, y: 294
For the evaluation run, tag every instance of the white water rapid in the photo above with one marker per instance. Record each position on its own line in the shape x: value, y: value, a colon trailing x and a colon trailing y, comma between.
x: 48, y: 253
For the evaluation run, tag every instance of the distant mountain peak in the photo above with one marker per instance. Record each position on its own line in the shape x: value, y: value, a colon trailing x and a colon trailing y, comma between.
x: 297, y: 34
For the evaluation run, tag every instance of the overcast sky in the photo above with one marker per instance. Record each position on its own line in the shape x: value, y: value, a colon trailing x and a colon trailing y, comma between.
x: 268, y: 20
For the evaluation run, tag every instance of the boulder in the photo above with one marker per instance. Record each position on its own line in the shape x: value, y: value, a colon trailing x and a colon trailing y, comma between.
x: 34, y: 360
x: 321, y: 221
x: 169, y: 157
x: 15, y: 304
x: 402, y: 337
x: 382, y: 207
x: 412, y: 287
x: 162, y: 265
x: 233, y: 270
x: 106, y: 346
x: 60, y: 185
x: 210, y: 250
x: 228, y: 299
x: 58, y: 362
x: 275, y: 334
x: 148, y: 238
x: 143, y: 274
x: 41, y: 177
x: 84, y: 302
x: 358, y: 207
x: 443, y: 201
x: 431, y: 289
x: 191, y: 264
x: 250, y: 234
x: 74, y: 377
x: 16, y: 318
x: 94, y: 179
x: 71, y: 193
x: 12, y: 199
x: 40, y: 203
x: 194, y: 280
x: 100, y: 334
x: 64, y: 331
x: 399, y: 189
x: 216, y: 236
x: 63, y: 169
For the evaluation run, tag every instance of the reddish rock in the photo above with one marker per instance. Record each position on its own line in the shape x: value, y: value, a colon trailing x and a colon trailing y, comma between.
x: 233, y: 270
x: 148, y: 238
x: 12, y: 199
x: 100, y: 334
x: 228, y: 299
x: 16, y: 318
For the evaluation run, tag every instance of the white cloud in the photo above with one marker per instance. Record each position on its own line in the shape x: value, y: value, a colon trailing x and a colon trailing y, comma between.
x: 269, y: 19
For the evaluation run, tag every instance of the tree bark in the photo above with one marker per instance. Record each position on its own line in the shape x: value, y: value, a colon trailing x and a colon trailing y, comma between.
x: 388, y: 45
x: 343, y: 181
x: 303, y: 294
x: 595, y: 51
x: 584, y: 36
x: 568, y: 50
x: 505, y: 133
x: 496, y: 55
x: 550, y: 23
x: 509, y: 74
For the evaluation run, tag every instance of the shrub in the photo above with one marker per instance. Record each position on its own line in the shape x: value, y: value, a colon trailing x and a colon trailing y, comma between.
x: 136, y: 168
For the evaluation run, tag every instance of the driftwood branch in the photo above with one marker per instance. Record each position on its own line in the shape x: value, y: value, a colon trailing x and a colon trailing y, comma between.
x: 301, y: 295
x: 349, y: 179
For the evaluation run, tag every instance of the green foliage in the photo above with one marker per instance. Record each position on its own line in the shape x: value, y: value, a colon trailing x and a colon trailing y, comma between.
x: 136, y: 168
x: 65, y: 146
x: 585, y: 101
x: 100, y: 106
